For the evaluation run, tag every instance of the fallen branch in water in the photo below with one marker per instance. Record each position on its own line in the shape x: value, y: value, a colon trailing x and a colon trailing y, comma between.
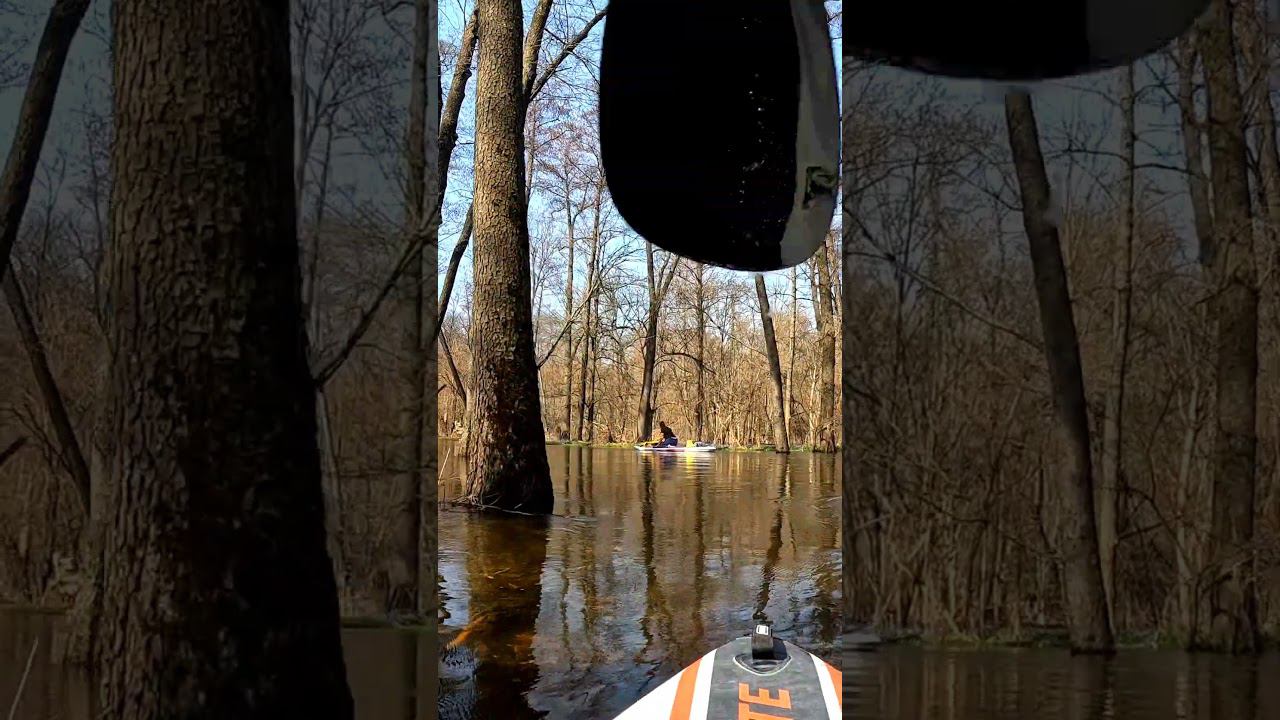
x: 22, y: 684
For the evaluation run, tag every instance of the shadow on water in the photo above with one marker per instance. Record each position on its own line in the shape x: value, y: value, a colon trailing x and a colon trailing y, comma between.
x: 914, y: 684
x: 650, y: 560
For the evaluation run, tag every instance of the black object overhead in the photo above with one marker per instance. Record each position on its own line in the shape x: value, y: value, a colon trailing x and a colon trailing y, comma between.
x: 1013, y: 39
x: 719, y: 127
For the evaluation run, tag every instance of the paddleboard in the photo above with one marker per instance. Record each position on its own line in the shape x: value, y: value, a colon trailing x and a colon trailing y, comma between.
x: 757, y: 677
x: 678, y: 448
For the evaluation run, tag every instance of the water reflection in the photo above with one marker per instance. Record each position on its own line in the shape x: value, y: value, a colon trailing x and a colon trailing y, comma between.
x: 651, y: 559
x: 389, y: 672
x: 911, y: 684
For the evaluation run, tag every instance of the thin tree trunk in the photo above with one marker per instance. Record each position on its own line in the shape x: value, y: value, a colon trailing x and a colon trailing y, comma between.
x: 428, y: 602
x: 505, y: 447
x: 1193, y: 146
x: 775, y: 368
x: 452, y: 110
x: 218, y: 595
x: 1232, y: 621
x: 644, y: 422
x: 69, y: 451
x: 335, y: 529
x: 1113, y: 418
x: 455, y: 377
x: 1084, y: 596
x: 1186, y: 581
x: 407, y: 455
x: 700, y: 407
x: 33, y: 119
x: 568, y: 327
x: 590, y: 329
x: 791, y: 348
x: 823, y: 310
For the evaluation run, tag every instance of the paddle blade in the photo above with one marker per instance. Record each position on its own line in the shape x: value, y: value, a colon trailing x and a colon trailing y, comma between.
x: 719, y: 127
x: 1013, y: 39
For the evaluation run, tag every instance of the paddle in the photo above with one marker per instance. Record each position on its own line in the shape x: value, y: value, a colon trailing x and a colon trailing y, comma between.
x: 719, y: 127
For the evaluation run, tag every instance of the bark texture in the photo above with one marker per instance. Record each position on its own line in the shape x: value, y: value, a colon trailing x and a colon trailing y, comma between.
x: 219, y: 598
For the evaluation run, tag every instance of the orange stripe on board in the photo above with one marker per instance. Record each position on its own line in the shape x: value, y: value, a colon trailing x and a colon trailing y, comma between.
x: 682, y: 708
x: 837, y: 683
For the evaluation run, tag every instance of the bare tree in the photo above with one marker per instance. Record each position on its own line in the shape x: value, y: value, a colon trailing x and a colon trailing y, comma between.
x: 659, y: 279
x: 1122, y: 310
x: 780, y: 441
x: 506, y: 459
x: 1085, y: 597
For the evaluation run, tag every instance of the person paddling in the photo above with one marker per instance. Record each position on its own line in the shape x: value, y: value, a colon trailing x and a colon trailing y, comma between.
x: 668, y: 436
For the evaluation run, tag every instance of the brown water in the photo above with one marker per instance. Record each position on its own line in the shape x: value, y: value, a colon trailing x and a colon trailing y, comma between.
x: 650, y: 561
x: 387, y: 670
x: 913, y: 684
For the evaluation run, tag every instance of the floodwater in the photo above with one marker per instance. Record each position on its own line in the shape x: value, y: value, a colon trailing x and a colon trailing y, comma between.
x: 649, y: 561
x: 387, y: 670
x: 898, y: 683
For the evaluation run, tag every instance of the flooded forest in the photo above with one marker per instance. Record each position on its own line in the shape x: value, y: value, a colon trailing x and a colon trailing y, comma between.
x: 1061, y: 365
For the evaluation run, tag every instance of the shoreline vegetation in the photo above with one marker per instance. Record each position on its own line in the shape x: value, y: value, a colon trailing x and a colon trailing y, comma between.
x: 798, y: 449
x: 1042, y: 638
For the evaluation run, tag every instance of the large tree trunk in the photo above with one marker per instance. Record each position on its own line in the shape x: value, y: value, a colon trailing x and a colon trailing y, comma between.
x: 1113, y: 418
x: 219, y: 597
x: 1232, y: 622
x: 407, y: 451
x: 1085, y: 598
x: 33, y: 119
x: 779, y: 420
x: 824, y: 439
x: 506, y: 446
